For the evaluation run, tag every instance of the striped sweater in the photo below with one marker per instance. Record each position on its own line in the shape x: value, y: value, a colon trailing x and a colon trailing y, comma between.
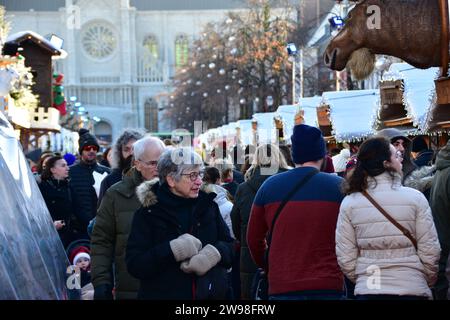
x: 302, y: 254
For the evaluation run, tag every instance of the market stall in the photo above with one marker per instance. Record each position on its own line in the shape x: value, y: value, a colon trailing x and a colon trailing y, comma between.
x: 347, y: 116
x: 406, y: 95
x: 287, y: 114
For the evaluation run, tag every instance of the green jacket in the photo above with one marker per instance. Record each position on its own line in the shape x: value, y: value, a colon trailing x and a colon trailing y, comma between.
x: 440, y: 197
x: 110, y: 236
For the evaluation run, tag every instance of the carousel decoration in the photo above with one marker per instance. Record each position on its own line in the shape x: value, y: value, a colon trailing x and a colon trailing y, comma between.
x: 279, y: 126
x: 323, y: 118
x: 422, y: 47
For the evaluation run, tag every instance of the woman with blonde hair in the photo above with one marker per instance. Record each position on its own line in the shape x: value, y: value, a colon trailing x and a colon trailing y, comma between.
x: 267, y: 161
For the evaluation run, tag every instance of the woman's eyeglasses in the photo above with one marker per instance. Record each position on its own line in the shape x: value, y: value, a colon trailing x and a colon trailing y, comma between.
x: 193, y: 176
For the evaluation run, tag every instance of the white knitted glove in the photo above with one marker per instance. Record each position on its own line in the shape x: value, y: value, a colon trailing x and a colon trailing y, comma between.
x: 185, y: 246
x: 202, y: 262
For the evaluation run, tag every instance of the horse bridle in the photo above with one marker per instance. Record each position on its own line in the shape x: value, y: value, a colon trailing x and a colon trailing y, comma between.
x: 443, y: 8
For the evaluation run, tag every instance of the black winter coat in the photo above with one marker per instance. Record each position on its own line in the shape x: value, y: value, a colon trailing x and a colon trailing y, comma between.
x: 148, y: 254
x: 85, y: 197
x: 240, y: 215
x: 58, y: 198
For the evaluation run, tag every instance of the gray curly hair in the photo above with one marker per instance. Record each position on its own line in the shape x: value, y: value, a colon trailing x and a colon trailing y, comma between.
x: 128, y: 134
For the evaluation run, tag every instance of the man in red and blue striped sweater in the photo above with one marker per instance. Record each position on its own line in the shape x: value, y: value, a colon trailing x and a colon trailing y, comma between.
x: 302, y: 259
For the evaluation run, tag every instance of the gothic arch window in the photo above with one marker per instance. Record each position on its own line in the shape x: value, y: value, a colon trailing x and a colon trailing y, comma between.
x: 181, y: 50
x: 151, y: 47
x: 151, y: 115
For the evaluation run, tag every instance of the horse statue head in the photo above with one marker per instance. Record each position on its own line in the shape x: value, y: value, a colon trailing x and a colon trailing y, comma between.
x: 407, y: 29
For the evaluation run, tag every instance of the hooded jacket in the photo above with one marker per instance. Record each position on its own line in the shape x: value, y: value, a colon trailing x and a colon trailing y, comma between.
x: 440, y: 196
x: 148, y: 254
x: 110, y: 235
x: 408, y: 165
x: 225, y: 205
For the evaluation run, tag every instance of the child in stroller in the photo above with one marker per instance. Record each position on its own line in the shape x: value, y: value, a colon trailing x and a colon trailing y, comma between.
x: 79, y: 255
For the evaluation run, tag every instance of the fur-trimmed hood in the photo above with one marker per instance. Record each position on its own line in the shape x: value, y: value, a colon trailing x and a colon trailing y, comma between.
x: 145, y: 192
x: 421, y: 179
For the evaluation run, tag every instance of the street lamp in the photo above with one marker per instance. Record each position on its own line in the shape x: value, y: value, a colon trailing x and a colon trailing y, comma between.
x: 336, y: 23
x: 292, y: 52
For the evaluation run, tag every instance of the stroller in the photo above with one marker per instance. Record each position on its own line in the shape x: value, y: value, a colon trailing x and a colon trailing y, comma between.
x: 79, y: 285
x: 76, y: 245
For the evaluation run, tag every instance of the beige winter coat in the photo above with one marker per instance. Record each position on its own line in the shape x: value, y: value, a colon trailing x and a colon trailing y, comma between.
x: 372, y: 252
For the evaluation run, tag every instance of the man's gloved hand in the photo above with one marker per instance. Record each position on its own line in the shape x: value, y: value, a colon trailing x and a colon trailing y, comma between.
x: 185, y: 246
x: 103, y: 292
x: 202, y: 262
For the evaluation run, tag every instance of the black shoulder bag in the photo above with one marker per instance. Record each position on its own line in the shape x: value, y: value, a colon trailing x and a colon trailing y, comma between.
x: 260, y: 284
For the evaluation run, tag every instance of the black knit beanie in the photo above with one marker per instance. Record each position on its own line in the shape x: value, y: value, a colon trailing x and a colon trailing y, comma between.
x: 86, y: 139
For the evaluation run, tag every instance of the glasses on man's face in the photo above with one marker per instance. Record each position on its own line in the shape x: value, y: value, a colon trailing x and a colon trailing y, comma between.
x: 89, y: 148
x: 150, y: 163
x: 193, y: 176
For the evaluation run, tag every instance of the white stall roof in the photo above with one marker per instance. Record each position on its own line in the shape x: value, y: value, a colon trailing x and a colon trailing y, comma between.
x: 246, y: 131
x: 351, y: 113
x: 230, y: 129
x: 43, y: 42
x: 419, y: 89
x: 287, y: 114
x: 266, y: 127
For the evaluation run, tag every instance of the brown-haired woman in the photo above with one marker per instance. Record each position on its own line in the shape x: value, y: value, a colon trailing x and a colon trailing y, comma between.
x: 58, y: 196
x: 371, y: 250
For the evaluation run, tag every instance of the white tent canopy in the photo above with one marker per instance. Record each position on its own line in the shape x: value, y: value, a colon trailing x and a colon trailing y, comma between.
x: 351, y: 113
x: 419, y: 89
x: 287, y: 114
x: 266, y: 127
x: 246, y: 133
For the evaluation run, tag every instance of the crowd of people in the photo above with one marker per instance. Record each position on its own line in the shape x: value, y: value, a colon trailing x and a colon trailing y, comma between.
x: 368, y: 221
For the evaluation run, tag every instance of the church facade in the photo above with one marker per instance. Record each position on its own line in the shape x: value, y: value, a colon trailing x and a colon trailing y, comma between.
x: 122, y: 54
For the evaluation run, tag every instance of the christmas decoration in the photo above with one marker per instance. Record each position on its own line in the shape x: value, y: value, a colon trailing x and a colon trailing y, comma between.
x: 59, y: 101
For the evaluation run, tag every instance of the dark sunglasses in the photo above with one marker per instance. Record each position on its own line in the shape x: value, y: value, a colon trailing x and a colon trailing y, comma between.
x: 88, y: 148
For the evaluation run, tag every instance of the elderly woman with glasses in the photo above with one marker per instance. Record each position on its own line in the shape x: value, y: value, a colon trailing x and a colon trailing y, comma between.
x: 179, y: 246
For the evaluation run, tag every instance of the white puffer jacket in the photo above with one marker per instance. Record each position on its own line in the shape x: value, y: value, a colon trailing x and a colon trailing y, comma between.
x: 372, y: 252
x: 225, y: 205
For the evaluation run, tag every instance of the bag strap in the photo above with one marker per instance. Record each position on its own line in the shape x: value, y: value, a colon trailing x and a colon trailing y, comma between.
x: 392, y: 220
x: 280, y: 208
